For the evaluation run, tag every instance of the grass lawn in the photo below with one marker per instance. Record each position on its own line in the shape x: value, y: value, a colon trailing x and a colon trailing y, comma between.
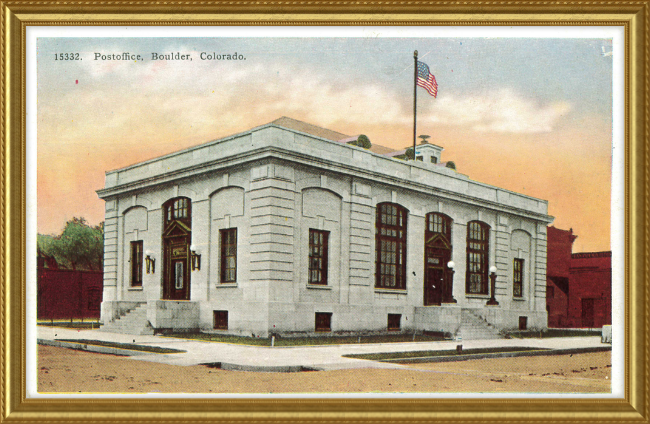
x: 386, y: 338
x: 554, y: 332
x: 129, y: 346
x: 85, y: 325
x: 396, y: 356
x: 308, y: 341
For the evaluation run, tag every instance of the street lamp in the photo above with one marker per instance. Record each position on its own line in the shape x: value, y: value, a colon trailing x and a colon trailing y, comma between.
x: 493, y: 282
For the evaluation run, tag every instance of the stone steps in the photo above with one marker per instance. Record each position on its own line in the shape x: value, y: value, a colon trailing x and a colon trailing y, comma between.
x: 473, y: 327
x: 132, y: 322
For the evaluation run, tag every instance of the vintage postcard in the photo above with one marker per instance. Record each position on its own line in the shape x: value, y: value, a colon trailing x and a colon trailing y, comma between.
x: 372, y: 211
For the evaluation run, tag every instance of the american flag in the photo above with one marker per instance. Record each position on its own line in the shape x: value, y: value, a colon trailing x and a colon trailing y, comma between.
x: 426, y: 79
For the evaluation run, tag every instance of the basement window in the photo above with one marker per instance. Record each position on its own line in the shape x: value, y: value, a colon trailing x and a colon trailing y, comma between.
x: 323, y: 321
x: 523, y: 323
x: 394, y: 321
x: 220, y: 320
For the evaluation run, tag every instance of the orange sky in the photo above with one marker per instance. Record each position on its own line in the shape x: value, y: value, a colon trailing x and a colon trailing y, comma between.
x: 576, y: 184
x: 94, y: 117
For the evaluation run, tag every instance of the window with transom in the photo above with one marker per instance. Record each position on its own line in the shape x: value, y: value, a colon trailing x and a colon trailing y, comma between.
x: 136, y: 263
x: 518, y: 278
x: 390, y: 251
x: 228, y: 239
x: 478, y: 243
x: 318, y: 241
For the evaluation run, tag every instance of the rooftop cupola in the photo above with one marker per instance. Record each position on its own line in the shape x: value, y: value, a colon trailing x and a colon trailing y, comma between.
x: 428, y: 153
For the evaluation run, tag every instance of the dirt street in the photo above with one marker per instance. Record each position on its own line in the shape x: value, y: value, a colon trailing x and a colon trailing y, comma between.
x: 65, y: 370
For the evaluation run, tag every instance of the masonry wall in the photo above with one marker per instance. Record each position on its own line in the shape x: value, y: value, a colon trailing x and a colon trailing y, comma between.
x: 557, y: 301
x: 590, y: 282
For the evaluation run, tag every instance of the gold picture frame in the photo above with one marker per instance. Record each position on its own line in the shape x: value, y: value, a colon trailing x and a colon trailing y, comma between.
x: 18, y: 15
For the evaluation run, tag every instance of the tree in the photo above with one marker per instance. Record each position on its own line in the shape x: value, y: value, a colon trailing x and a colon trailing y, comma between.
x: 79, y: 246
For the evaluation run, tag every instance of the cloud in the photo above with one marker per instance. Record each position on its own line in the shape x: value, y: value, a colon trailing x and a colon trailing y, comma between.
x: 501, y: 111
x: 160, y: 96
x: 213, y: 98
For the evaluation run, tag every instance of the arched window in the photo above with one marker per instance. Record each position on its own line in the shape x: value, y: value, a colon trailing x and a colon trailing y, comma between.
x: 178, y: 209
x: 390, y: 246
x: 478, y: 244
x: 438, y: 223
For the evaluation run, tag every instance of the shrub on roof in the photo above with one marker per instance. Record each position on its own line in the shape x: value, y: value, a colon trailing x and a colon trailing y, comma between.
x: 362, y: 141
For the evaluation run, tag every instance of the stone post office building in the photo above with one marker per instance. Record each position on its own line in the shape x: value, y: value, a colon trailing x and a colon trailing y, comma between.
x: 289, y: 229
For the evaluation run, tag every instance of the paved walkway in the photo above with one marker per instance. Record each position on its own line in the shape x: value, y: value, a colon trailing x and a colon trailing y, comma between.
x: 264, y: 358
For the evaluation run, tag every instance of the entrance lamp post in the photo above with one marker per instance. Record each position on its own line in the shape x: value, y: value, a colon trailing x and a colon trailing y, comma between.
x: 493, y: 282
x: 448, y: 294
x: 196, y: 258
x: 150, y: 262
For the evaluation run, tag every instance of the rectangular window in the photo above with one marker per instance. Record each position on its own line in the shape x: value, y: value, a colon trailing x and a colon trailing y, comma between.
x: 323, y: 321
x: 178, y: 275
x: 136, y: 263
x: 318, y: 256
x: 394, y: 321
x: 180, y: 208
x: 220, y: 320
x: 518, y: 278
x: 228, y: 255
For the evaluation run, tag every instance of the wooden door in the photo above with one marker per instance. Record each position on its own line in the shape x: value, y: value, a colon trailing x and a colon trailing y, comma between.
x: 435, y: 262
x: 433, y: 283
x: 176, y: 272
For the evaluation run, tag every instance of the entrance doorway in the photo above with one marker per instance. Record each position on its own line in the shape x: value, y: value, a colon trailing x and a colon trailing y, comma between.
x: 435, y: 284
x: 438, y: 279
x: 177, y: 238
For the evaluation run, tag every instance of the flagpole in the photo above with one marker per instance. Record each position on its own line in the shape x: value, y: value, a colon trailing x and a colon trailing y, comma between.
x: 415, y: 97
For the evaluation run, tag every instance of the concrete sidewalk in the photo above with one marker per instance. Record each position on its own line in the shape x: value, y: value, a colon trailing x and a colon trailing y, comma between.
x: 264, y: 358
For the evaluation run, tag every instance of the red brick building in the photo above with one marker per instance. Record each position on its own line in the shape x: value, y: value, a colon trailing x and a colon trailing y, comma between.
x: 579, y: 285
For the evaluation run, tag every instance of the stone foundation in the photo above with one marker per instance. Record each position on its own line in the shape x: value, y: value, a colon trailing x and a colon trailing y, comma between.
x: 178, y: 315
